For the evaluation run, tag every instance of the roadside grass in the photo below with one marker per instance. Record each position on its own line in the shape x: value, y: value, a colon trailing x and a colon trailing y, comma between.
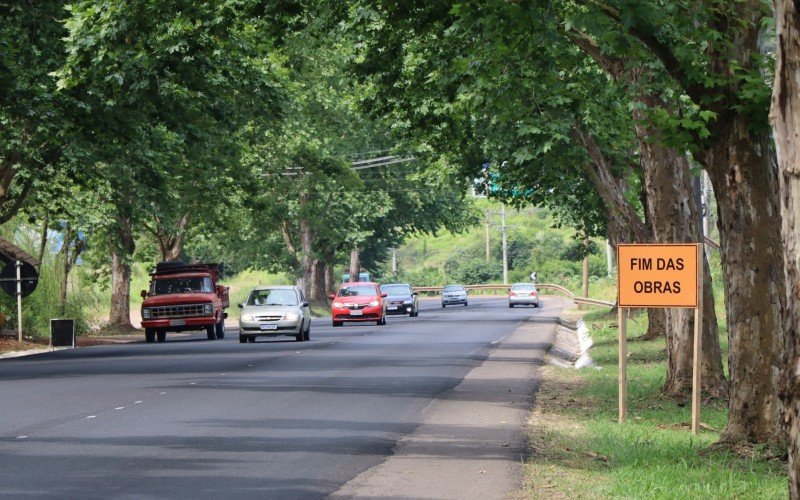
x: 580, y: 451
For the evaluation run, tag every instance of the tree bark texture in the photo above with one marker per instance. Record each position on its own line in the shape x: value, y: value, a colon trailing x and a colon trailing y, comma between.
x: 306, y: 256
x: 675, y: 218
x: 121, y: 251
x: 330, y: 279
x: 749, y: 222
x: 623, y: 216
x: 171, y: 242
x: 319, y: 293
x: 785, y: 117
x: 355, y: 264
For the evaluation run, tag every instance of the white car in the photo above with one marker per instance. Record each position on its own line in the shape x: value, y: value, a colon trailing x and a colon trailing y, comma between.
x: 523, y: 294
x: 272, y: 311
x: 454, y: 295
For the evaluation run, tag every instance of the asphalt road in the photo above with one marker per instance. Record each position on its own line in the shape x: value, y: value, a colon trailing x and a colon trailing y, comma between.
x: 274, y: 419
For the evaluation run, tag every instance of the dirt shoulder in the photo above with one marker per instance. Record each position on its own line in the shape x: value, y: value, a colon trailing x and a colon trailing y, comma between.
x: 11, y: 346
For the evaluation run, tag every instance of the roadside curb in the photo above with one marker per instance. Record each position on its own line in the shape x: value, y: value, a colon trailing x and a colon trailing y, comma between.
x: 30, y: 352
x: 572, y: 344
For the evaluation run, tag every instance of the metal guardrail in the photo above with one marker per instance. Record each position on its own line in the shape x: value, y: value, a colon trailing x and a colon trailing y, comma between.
x: 713, y: 244
x: 550, y: 286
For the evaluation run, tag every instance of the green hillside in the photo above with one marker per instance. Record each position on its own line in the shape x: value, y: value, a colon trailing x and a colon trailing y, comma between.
x: 534, y: 244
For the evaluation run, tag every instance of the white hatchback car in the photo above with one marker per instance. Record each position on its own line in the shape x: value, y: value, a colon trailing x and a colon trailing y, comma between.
x: 454, y: 295
x: 523, y: 294
x: 272, y: 311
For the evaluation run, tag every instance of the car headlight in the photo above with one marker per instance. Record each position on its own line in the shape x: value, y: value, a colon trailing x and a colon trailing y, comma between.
x: 246, y: 317
x: 374, y: 303
x: 407, y: 302
x: 338, y: 304
x: 208, y: 308
x: 291, y: 317
x: 146, y: 313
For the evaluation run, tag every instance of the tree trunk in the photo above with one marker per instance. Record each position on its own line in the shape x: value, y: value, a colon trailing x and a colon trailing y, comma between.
x: 785, y: 119
x: 306, y: 257
x: 330, y: 279
x: 671, y: 215
x: 675, y: 218
x: 318, y: 293
x: 355, y: 265
x: 121, y: 251
x: 43, y: 238
x: 171, y: 242
x: 749, y: 222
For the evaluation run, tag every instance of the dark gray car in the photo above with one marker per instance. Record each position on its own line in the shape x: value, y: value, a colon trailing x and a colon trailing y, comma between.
x: 400, y: 299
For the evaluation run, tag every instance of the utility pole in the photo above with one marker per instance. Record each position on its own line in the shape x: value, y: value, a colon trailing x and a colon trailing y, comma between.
x: 394, y: 261
x: 505, y: 244
x: 486, y: 226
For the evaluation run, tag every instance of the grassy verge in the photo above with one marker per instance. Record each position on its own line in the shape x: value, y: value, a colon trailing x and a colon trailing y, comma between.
x: 579, y: 451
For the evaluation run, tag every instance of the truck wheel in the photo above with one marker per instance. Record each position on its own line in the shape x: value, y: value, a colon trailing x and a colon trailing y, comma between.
x: 162, y: 335
x: 149, y: 335
x: 210, y: 332
x: 220, y: 329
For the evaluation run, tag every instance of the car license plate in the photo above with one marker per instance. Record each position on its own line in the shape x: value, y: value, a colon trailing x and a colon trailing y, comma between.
x: 356, y: 313
x: 268, y: 327
x: 177, y: 322
x: 391, y: 308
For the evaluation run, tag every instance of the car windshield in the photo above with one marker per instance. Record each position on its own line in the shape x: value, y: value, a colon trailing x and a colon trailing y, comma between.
x: 272, y: 297
x: 523, y: 287
x: 166, y: 286
x: 396, y: 289
x: 357, y: 291
x: 454, y: 288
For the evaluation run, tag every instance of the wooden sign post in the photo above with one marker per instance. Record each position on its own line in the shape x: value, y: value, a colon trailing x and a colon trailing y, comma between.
x: 660, y: 276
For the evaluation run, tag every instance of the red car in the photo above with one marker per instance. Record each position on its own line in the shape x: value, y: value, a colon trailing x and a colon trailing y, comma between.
x: 359, y: 301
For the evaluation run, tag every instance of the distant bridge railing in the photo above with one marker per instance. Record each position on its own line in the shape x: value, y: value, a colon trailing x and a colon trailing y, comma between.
x: 544, y: 286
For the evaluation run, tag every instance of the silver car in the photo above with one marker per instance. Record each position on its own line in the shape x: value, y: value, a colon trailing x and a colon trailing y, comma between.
x: 523, y: 293
x: 273, y: 311
x: 454, y: 295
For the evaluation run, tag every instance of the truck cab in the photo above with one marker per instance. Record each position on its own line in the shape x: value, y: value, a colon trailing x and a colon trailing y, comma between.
x: 184, y: 297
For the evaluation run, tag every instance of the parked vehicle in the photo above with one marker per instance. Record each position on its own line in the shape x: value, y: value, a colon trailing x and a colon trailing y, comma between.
x: 454, y: 295
x: 184, y: 297
x: 523, y: 294
x: 360, y: 301
x: 401, y: 299
x: 272, y: 311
